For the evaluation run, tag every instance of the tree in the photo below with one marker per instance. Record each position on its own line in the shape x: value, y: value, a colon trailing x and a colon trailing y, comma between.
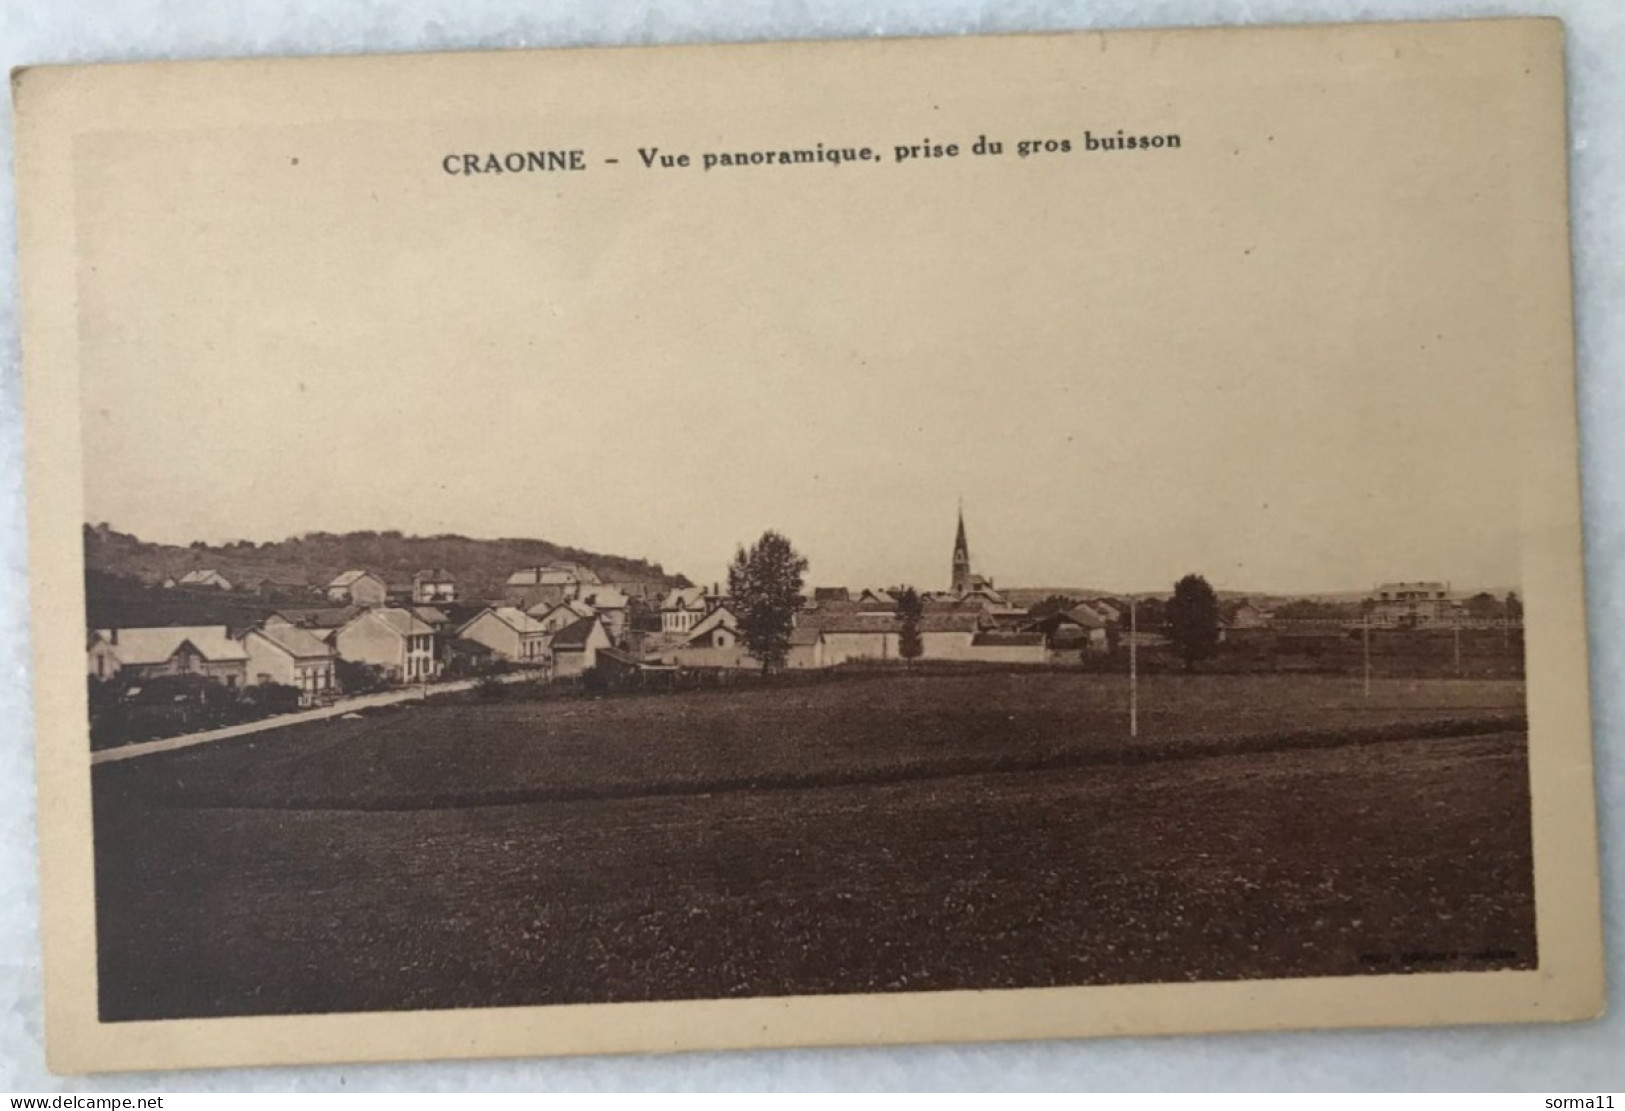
x: 1055, y: 603
x: 1193, y: 620
x: 910, y: 608
x: 765, y: 584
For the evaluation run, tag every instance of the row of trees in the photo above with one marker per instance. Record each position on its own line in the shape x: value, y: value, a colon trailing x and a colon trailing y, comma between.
x: 766, y: 580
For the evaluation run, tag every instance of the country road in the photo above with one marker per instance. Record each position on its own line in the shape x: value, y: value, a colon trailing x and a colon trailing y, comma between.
x: 336, y: 709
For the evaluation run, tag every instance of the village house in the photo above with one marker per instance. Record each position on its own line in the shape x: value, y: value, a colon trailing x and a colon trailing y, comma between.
x: 1108, y: 610
x: 531, y: 586
x: 323, y: 621
x: 205, y: 579
x: 681, y: 609
x: 509, y: 632
x: 1248, y: 616
x: 806, y: 648
x: 713, y: 642
x: 1072, y: 631
x: 555, y: 616
x: 877, y: 601
x: 358, y: 588
x: 433, y: 616
x: 1002, y: 646
x: 622, y: 670
x: 143, y: 653
x: 613, y: 608
x: 434, y: 585
x: 858, y: 636
x: 575, y: 647
x: 947, y: 636
x: 283, y: 653
x: 1411, y: 604
x: 394, y: 639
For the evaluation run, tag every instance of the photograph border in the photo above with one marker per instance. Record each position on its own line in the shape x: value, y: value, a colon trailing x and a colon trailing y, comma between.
x: 56, y: 104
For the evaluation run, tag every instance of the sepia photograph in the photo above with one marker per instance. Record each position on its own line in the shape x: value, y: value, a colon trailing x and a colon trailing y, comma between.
x: 616, y: 528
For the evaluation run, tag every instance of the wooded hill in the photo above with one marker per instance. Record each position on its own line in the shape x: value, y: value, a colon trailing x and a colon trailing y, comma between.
x: 313, y: 559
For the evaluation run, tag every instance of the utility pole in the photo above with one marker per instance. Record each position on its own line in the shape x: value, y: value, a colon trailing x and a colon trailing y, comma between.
x: 1457, y: 624
x: 1133, y: 669
x: 1366, y: 642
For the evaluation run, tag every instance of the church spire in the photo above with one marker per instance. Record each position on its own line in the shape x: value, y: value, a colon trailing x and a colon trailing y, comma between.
x: 961, y: 575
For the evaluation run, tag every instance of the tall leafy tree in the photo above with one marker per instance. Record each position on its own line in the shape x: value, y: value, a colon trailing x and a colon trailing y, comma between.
x: 1192, y: 617
x: 910, y: 608
x: 765, y: 583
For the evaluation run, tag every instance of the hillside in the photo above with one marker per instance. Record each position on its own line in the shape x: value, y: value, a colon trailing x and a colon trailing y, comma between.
x: 480, y: 566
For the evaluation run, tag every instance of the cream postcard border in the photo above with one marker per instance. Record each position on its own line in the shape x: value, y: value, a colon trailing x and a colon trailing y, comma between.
x: 54, y: 104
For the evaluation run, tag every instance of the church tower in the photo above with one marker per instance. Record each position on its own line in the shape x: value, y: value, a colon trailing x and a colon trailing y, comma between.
x: 962, y: 577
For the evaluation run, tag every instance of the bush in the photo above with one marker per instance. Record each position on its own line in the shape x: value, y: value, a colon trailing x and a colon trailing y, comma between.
x: 491, y: 689
x: 270, y: 698
x: 360, y: 678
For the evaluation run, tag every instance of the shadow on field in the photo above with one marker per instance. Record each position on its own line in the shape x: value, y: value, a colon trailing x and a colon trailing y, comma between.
x: 1127, y: 753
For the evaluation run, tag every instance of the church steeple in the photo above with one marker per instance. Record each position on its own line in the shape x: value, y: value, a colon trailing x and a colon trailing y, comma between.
x: 962, y: 575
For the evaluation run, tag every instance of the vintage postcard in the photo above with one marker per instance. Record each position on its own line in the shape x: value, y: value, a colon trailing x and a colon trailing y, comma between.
x: 809, y: 543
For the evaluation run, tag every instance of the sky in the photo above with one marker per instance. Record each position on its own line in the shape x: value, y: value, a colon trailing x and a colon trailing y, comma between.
x: 1283, y: 357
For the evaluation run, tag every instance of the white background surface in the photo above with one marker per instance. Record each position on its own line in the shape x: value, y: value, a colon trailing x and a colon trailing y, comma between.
x: 1558, y: 1058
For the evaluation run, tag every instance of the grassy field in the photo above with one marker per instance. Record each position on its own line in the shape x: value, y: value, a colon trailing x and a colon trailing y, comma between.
x: 891, y: 833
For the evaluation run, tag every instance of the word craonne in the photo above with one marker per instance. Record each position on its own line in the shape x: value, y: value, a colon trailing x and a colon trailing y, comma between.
x: 514, y: 162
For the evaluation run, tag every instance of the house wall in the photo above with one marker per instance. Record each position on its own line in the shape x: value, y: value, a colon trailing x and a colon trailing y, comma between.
x: 568, y: 663
x: 314, y: 676
x: 372, y: 642
x: 525, y: 597
x: 614, y: 623
x: 679, y: 620
x: 841, y: 647
x: 496, y: 634
x: 1009, y: 653
x: 945, y: 645
x: 267, y: 663
x: 803, y: 656
x: 731, y: 654
x: 102, y: 663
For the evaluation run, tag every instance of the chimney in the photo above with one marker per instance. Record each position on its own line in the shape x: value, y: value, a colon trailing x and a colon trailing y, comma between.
x: 112, y: 637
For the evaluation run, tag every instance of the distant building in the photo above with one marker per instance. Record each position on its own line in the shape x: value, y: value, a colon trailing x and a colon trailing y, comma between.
x: 877, y: 601
x: 205, y: 578
x: 509, y: 632
x: 392, y: 638
x: 613, y: 608
x: 999, y: 646
x: 1075, y: 630
x: 283, y: 653
x: 1109, y: 610
x: 434, y: 617
x: 681, y: 609
x: 434, y: 585
x: 823, y: 594
x: 555, y: 616
x: 714, y: 642
x: 964, y: 580
x: 575, y: 647
x: 1248, y: 616
x: 323, y: 622
x: 359, y: 588
x: 143, y: 653
x: 552, y: 584
x: 1411, y: 604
